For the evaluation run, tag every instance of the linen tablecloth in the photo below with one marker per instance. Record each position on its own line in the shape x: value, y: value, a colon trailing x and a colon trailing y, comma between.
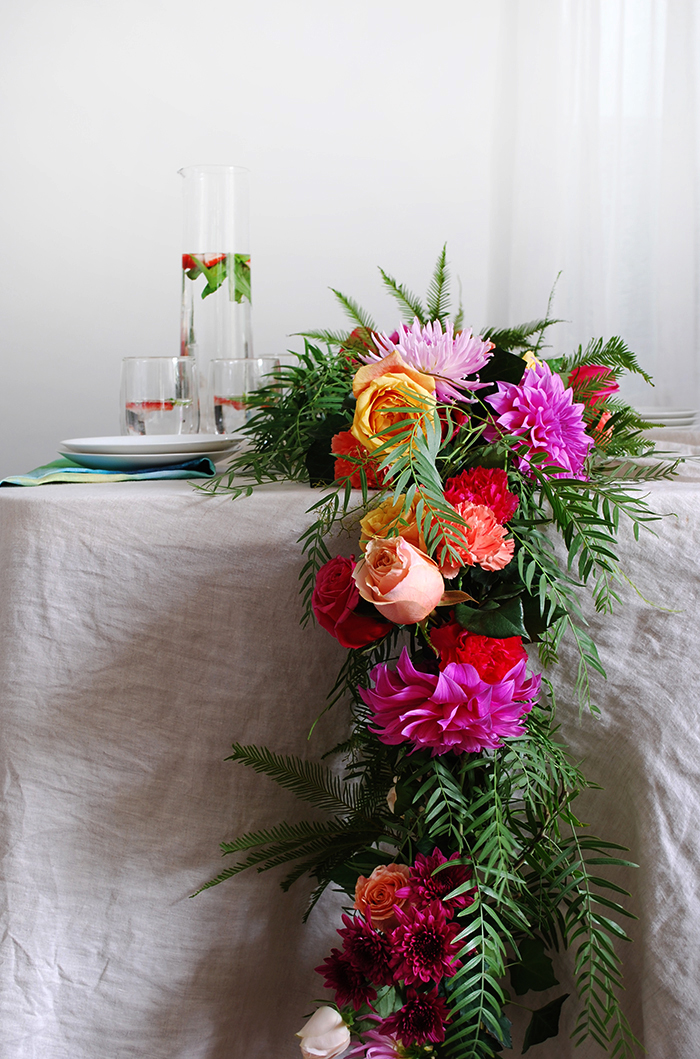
x: 143, y: 628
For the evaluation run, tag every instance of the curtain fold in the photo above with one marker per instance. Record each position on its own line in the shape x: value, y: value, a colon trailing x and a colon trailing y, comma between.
x: 595, y: 175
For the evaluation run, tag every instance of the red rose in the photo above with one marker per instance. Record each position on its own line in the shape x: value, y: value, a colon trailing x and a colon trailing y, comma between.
x: 492, y: 658
x: 334, y: 600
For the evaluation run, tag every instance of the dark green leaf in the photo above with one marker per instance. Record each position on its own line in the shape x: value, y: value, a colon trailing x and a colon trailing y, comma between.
x: 500, y: 621
x: 544, y: 1023
x: 534, y: 970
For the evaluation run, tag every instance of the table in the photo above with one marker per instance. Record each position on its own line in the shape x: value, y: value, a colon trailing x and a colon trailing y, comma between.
x: 143, y: 628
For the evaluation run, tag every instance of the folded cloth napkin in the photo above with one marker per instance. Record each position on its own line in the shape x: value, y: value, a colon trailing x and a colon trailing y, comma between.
x: 66, y: 471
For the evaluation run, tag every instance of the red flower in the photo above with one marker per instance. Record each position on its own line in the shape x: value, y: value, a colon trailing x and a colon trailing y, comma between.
x: 483, y: 485
x: 424, y: 886
x: 492, y: 658
x: 344, y: 444
x: 334, y: 600
x: 351, y: 987
x: 421, y: 1019
x: 367, y: 950
x: 424, y: 946
x: 583, y: 380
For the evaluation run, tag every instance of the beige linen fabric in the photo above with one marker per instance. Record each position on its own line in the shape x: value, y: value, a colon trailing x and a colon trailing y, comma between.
x: 143, y: 628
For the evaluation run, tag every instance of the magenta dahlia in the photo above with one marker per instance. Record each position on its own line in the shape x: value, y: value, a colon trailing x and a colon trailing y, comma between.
x: 541, y: 411
x: 450, y: 357
x: 350, y: 985
x: 423, y: 945
x: 367, y: 950
x: 483, y: 485
x: 427, y: 884
x: 421, y: 1019
x: 451, y: 710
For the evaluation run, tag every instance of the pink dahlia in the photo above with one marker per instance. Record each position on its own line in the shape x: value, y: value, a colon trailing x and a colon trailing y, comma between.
x: 450, y: 358
x: 452, y: 710
x: 424, y: 946
x: 351, y: 987
x: 541, y: 410
x: 483, y: 485
x: 421, y: 1019
x: 484, y: 541
x: 367, y: 950
x: 376, y: 1046
x: 428, y: 884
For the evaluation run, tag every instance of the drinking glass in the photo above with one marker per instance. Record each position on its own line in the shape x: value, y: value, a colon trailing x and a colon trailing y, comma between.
x: 159, y: 395
x: 231, y: 380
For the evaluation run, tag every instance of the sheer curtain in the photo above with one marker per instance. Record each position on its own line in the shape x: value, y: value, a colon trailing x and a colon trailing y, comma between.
x: 595, y: 173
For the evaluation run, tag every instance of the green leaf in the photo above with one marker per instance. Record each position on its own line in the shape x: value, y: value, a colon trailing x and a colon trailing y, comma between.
x: 503, y: 366
x: 499, y: 621
x: 215, y: 276
x: 544, y: 1023
x: 535, y: 969
x: 241, y: 278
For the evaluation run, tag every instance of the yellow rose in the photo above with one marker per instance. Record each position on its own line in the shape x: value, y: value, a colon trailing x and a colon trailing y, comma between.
x: 387, y: 516
x: 382, y: 389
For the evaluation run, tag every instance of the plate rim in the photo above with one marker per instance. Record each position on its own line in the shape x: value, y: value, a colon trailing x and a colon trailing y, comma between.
x: 180, y: 443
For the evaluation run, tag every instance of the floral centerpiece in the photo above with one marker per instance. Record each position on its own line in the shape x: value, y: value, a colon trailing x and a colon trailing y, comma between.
x: 459, y: 459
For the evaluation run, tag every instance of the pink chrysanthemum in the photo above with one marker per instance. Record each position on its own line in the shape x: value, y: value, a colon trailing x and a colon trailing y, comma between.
x: 483, y: 485
x: 367, y: 950
x: 424, y: 949
x: 427, y: 884
x: 450, y: 358
x: 421, y: 1019
x: 541, y: 410
x: 376, y: 1046
x: 351, y: 987
x: 484, y: 541
x: 452, y: 710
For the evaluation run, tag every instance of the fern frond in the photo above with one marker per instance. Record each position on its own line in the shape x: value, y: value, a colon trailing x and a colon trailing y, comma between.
x: 438, y: 298
x: 409, y: 305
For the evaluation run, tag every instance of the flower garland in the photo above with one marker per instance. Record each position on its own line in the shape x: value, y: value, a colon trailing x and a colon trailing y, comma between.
x: 457, y: 458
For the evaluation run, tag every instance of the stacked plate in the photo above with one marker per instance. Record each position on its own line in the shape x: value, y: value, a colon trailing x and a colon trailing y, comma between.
x: 669, y: 417
x: 138, y: 453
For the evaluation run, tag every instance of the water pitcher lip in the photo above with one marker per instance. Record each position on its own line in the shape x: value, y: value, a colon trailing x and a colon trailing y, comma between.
x: 213, y: 169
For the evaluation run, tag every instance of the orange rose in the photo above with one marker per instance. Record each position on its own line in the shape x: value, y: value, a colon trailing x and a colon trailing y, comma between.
x: 382, y: 389
x: 376, y: 897
x: 387, y: 516
x: 403, y: 583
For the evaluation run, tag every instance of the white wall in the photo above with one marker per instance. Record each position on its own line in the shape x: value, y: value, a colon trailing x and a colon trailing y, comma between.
x: 374, y: 131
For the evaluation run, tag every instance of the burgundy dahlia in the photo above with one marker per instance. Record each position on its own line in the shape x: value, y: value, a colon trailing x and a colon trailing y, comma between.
x: 421, y: 1019
x: 367, y: 950
x: 351, y: 987
x: 424, y: 949
x: 424, y: 886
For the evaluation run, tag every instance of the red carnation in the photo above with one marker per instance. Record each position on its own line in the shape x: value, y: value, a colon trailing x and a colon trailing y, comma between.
x: 491, y: 657
x: 483, y: 485
x: 334, y: 600
x: 344, y: 444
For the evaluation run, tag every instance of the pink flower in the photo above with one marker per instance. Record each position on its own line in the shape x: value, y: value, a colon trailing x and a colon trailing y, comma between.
x: 483, y: 485
x: 484, y: 542
x: 427, y: 884
x: 402, y: 582
x: 351, y: 987
x: 450, y: 358
x: 421, y: 1019
x: 424, y: 949
x: 592, y: 383
x: 541, y: 411
x: 377, y: 1046
x: 452, y: 710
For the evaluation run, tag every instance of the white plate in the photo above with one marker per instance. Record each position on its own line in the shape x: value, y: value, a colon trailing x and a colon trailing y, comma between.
x: 133, y: 444
x: 137, y: 461
x: 658, y: 414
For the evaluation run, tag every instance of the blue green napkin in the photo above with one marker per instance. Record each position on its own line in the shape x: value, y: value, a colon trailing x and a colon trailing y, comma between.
x: 64, y: 470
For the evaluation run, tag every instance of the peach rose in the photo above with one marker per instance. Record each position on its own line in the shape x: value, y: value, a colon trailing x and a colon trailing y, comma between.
x: 402, y: 582
x: 388, y: 515
x: 376, y: 897
x: 382, y: 389
x: 325, y: 1035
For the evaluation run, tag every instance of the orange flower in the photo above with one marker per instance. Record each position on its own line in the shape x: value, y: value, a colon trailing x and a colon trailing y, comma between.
x: 387, y: 516
x: 383, y: 390
x: 484, y: 541
x: 376, y: 897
